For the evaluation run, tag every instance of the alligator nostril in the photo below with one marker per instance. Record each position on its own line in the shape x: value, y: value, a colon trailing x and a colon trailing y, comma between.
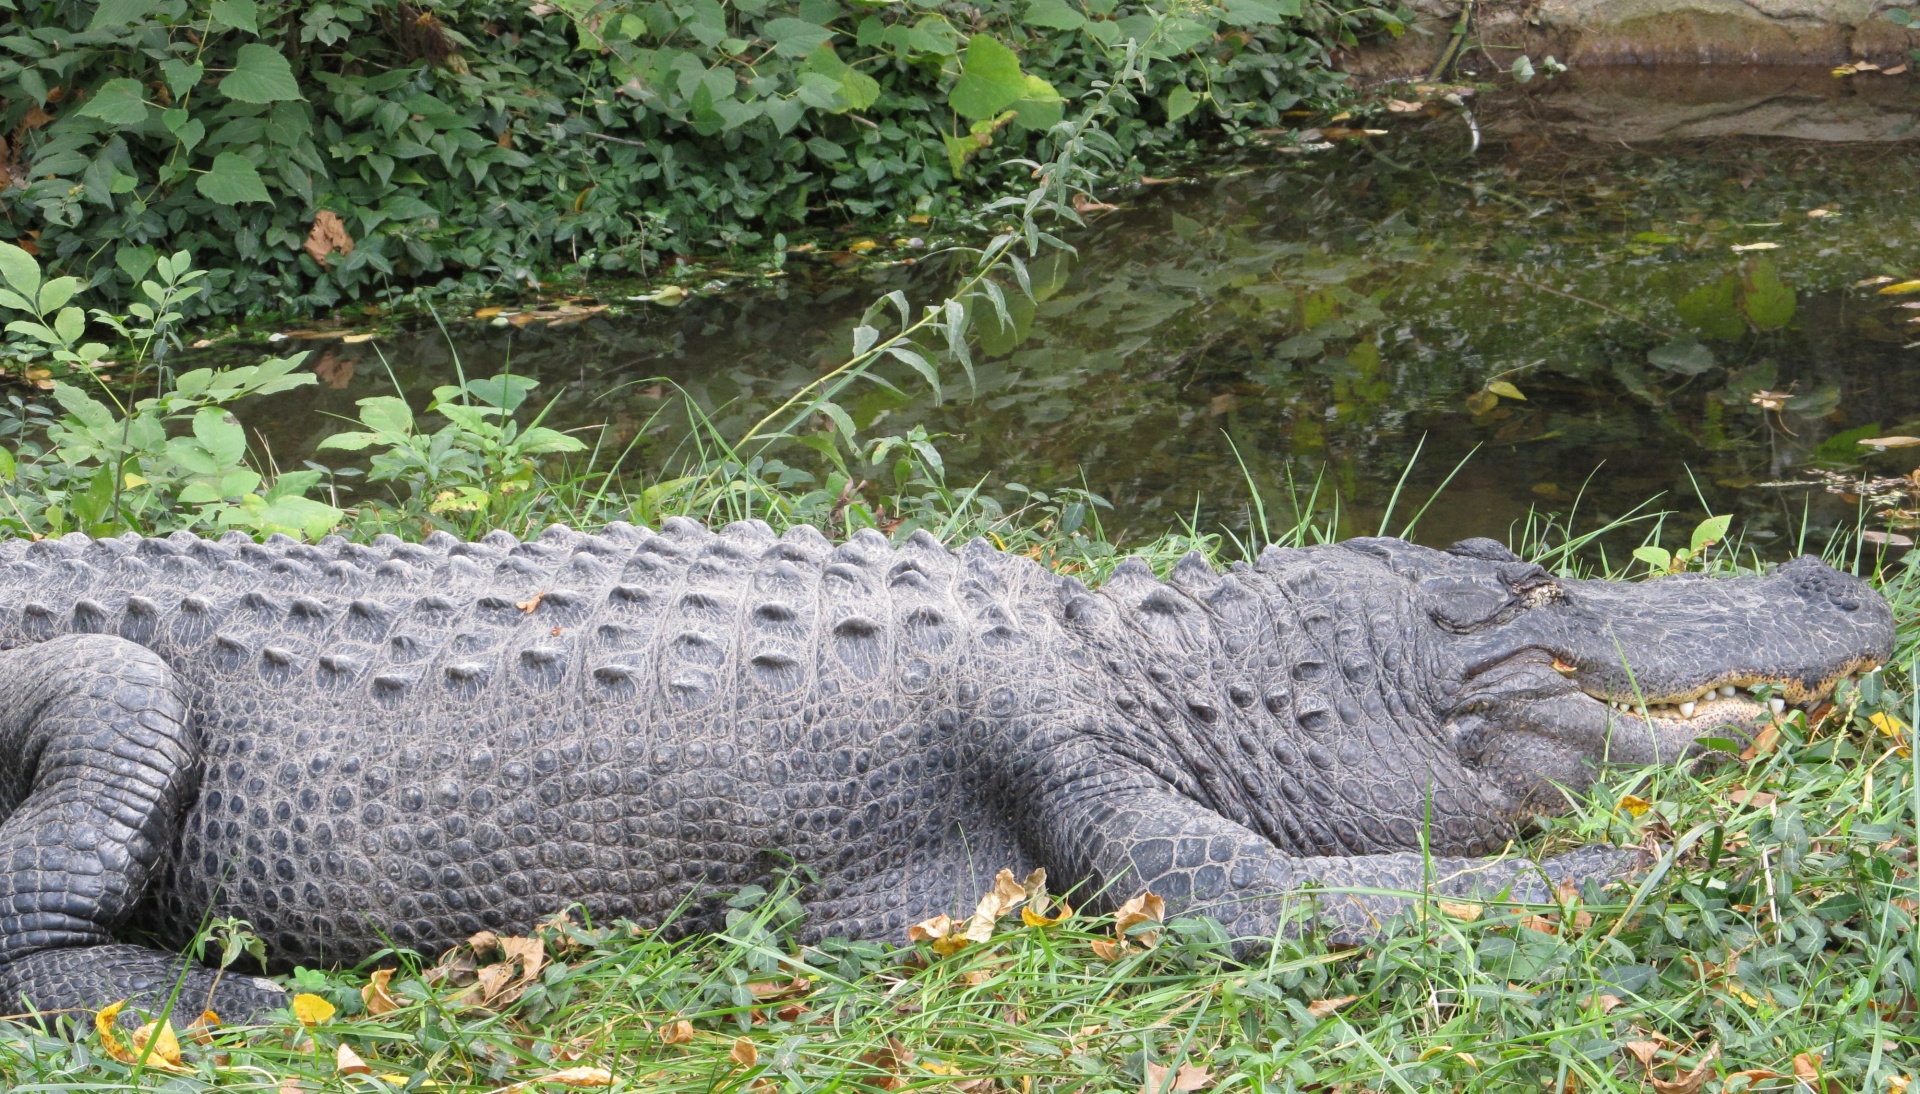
x: 1847, y: 604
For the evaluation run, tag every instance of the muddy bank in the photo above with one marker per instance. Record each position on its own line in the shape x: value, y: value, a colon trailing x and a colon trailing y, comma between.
x: 1633, y: 105
x: 1644, y: 32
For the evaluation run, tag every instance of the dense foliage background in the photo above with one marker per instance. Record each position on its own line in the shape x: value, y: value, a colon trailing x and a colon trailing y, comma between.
x: 488, y: 142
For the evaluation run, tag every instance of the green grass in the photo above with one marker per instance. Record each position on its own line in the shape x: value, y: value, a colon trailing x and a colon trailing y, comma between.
x: 1766, y: 932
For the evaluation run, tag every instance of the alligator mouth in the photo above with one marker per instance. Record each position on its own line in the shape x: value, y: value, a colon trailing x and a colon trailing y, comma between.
x: 1737, y: 698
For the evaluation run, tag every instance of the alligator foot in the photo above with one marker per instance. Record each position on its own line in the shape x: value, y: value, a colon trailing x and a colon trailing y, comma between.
x: 98, y: 762
x: 85, y: 979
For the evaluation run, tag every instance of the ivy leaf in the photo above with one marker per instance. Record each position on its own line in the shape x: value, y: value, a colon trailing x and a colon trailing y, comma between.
x: 1041, y: 108
x: 796, y: 37
x: 1181, y: 102
x: 238, y: 14
x: 180, y: 76
x: 1057, y: 14
x: 260, y: 75
x: 990, y: 80
x: 231, y: 180
x: 1768, y: 302
x: 118, y: 102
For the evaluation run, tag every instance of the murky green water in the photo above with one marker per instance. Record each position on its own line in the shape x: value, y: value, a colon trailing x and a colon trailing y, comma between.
x: 1328, y: 314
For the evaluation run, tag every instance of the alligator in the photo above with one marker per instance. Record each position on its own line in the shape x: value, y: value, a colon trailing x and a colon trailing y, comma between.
x: 361, y: 746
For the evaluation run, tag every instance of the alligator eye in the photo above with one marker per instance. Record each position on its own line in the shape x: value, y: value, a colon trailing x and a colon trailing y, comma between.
x: 1563, y: 668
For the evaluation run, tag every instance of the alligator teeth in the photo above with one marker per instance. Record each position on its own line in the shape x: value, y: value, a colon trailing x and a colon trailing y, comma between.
x: 1726, y: 691
x: 1686, y: 709
x: 1778, y: 704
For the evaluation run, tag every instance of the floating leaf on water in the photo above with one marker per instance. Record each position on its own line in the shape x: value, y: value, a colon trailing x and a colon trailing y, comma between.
x: 1682, y: 356
x: 1765, y: 245
x: 1767, y: 300
x: 1898, y: 288
x: 1505, y: 390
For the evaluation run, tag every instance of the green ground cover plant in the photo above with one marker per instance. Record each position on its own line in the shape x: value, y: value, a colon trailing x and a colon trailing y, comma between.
x: 307, y: 155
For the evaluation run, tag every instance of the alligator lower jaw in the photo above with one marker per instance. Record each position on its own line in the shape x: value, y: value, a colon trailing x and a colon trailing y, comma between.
x: 1732, y: 700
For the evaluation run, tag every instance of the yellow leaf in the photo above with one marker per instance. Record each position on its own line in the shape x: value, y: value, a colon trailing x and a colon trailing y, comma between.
x: 356, y: 339
x: 1506, y: 390
x: 1482, y: 401
x: 1900, y: 288
x: 487, y: 313
x: 1897, y: 1084
x: 103, y: 1023
x: 668, y: 295
x: 1040, y: 919
x: 919, y: 218
x: 161, y: 1046
x: 1635, y: 806
x: 1887, y: 724
x: 579, y: 1078
x: 132, y: 480
x: 861, y: 246
x: 311, y: 1009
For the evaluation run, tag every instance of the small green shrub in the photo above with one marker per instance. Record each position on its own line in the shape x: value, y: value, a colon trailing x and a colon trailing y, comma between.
x: 485, y: 142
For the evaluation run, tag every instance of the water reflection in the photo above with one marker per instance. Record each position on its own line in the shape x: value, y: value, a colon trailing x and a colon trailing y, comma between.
x: 1319, y: 318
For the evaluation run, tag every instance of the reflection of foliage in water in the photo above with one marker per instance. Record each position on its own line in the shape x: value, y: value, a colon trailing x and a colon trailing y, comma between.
x: 1326, y: 315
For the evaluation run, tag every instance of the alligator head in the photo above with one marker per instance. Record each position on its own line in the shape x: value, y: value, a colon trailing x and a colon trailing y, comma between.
x: 1542, y: 678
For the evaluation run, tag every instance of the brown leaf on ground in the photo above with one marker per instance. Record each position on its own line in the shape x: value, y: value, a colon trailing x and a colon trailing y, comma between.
x: 1145, y: 908
x: 348, y: 1062
x: 1764, y: 744
x: 1321, y: 1008
x: 577, y: 1078
x: 1608, y: 1003
x: 1642, y: 1051
x: 375, y: 996
x: 1107, y: 950
x: 1467, y: 912
x: 327, y: 237
x: 1752, y: 799
x: 774, y: 991
x: 1692, y: 1081
x: 1190, y: 1077
x: 745, y: 1053
x: 677, y: 1032
x: 890, y: 1059
x: 1083, y: 205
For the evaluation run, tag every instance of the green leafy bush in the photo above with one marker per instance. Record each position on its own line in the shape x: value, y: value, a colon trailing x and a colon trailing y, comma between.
x: 310, y: 154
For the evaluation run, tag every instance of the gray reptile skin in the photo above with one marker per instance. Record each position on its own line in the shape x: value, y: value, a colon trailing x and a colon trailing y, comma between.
x: 351, y: 746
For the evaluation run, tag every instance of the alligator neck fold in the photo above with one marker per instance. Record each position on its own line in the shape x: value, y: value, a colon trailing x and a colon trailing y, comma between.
x: 1281, y: 702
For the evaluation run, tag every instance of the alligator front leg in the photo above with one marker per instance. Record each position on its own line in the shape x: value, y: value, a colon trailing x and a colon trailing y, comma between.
x: 1119, y: 842
x: 96, y: 760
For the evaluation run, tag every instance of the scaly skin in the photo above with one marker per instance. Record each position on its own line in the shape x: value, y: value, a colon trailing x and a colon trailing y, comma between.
x: 351, y: 746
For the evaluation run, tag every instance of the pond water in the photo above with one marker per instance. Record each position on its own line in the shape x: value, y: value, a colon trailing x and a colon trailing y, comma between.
x: 1639, y: 254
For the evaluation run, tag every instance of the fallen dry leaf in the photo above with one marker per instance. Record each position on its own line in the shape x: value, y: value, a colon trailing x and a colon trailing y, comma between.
x: 1765, y: 743
x: 579, y: 1078
x: 744, y: 1053
x: 1752, y: 799
x: 375, y: 996
x: 348, y: 1062
x: 1608, y: 1003
x: 1084, y: 204
x: 1321, y: 1008
x: 327, y: 237
x: 1891, y: 442
x: 1690, y: 1082
x: 1190, y: 1077
x: 1145, y: 908
x: 1467, y: 912
x: 1107, y: 950
x: 677, y: 1032
x: 1642, y: 1051
x: 1635, y: 806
